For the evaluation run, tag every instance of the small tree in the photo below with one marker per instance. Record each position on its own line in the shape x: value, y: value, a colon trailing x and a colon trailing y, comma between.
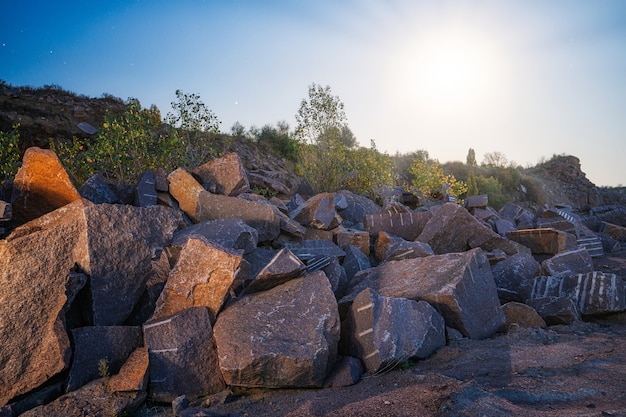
x: 495, y: 159
x: 429, y: 178
x: 471, y: 157
x: 321, y: 117
x: 194, y: 123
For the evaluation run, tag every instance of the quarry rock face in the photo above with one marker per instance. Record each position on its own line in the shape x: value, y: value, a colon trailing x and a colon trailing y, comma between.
x: 288, y: 339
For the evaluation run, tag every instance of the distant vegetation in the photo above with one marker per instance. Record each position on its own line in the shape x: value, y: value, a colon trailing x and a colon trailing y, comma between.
x: 322, y: 147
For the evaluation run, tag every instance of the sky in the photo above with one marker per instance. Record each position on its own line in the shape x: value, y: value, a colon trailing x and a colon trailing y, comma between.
x: 527, y: 78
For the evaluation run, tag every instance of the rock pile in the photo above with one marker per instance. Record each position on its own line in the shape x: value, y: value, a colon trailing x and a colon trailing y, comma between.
x: 202, y: 285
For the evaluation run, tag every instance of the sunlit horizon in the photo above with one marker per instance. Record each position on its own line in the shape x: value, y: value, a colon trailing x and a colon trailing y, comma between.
x: 529, y: 79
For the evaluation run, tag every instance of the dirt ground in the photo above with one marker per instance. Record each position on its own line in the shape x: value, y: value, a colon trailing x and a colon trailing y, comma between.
x: 577, y: 370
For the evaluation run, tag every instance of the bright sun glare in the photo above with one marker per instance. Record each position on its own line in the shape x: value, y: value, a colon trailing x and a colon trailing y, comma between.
x: 447, y: 71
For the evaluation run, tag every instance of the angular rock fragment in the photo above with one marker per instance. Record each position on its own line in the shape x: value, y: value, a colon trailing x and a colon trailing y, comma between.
x: 354, y: 261
x: 348, y: 371
x: 453, y: 229
x: 41, y: 185
x: 407, y: 225
x: 555, y: 310
x: 317, y: 212
x: 614, y: 231
x: 229, y: 233
x: 568, y: 263
x: 5, y: 210
x: 407, y: 250
x: 355, y: 208
x: 183, y: 356
x: 510, y: 275
x: 227, y: 172
x: 96, y: 190
x: 385, y: 331
x: 201, y: 205
x: 133, y: 375
x: 288, y: 338
x: 280, y: 269
x: 112, y: 344
x: 477, y: 201
x: 520, y: 315
x: 309, y: 249
x: 360, y: 239
x: 459, y: 285
x: 145, y: 194
x: 202, y: 276
x: 544, y: 241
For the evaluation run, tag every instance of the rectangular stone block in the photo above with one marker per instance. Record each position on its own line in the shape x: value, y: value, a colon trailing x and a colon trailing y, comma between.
x: 406, y: 225
x: 544, y: 241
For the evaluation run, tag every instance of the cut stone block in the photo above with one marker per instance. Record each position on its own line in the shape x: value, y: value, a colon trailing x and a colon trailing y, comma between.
x: 407, y: 225
x: 544, y: 241
x: 568, y: 263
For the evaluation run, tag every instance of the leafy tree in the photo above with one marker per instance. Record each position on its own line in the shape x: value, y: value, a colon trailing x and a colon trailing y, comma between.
x: 320, y: 116
x: 495, y: 159
x: 492, y: 187
x: 9, y: 153
x: 279, y: 139
x: 195, y: 125
x: 429, y: 178
x: 238, y: 131
x: 471, y: 157
x: 472, y: 184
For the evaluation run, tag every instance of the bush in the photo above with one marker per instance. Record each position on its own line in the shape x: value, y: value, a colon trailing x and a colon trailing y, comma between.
x: 428, y: 178
x: 278, y: 139
x: 492, y: 187
x: 9, y: 153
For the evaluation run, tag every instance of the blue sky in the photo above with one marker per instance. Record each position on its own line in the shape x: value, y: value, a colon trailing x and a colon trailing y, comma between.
x: 529, y: 78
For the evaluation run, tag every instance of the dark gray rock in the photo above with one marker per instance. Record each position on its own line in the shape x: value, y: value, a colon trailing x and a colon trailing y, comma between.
x: 476, y: 201
x: 511, y: 273
x: 347, y: 371
x: 336, y: 276
x: 459, y: 285
x: 96, y: 190
x: 385, y: 331
x: 357, y: 206
x: 284, y: 337
x: 309, y: 249
x: 112, y: 344
x: 145, y: 191
x: 230, y: 233
x: 183, y: 356
x: 572, y: 262
x: 280, y: 269
x: 354, y: 261
x: 555, y: 310
x: 407, y: 250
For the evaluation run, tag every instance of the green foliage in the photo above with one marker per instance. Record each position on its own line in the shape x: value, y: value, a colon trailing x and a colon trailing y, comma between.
x: 194, y: 125
x: 278, y: 139
x: 428, y: 177
x: 492, y: 187
x: 330, y: 166
x: 125, y: 146
x: 495, y: 159
x: 472, y: 184
x: 320, y: 116
x: 238, y: 131
x: 9, y: 153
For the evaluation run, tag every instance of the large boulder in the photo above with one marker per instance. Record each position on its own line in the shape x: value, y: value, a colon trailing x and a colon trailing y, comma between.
x: 572, y: 262
x: 227, y: 173
x: 511, y: 273
x: 284, y: 337
x: 230, y: 233
x: 183, y: 356
x: 203, y: 276
x: 385, y: 331
x: 40, y: 186
x: 201, y: 205
x: 355, y: 207
x: 35, y: 264
x: 123, y: 240
x: 459, y: 285
x: 453, y: 229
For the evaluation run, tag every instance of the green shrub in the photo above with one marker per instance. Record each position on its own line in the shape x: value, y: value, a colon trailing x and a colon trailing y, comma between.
x: 427, y: 177
x: 492, y: 187
x: 9, y: 153
x: 278, y: 139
